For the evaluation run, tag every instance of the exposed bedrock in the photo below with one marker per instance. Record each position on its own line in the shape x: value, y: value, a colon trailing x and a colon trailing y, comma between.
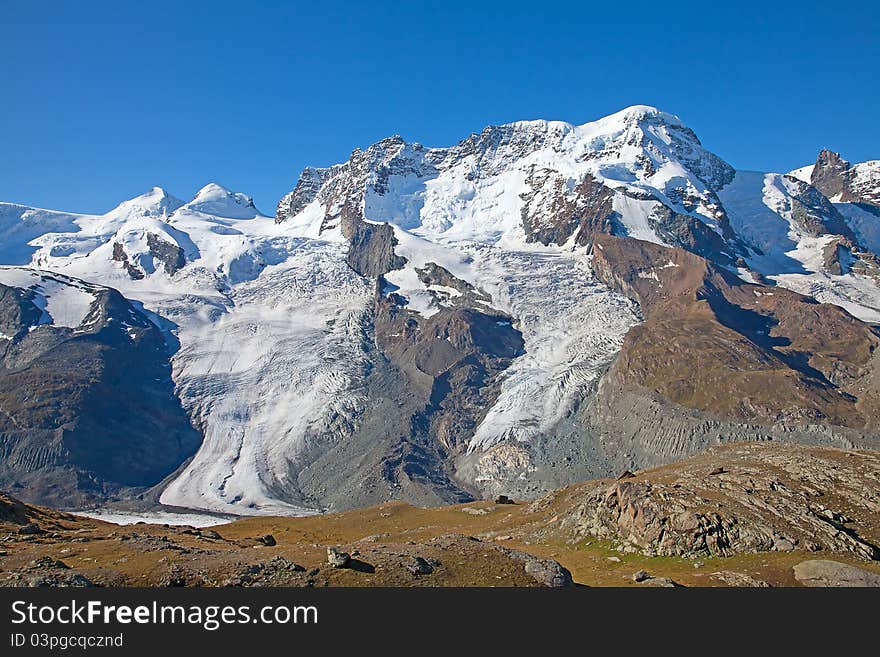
x: 616, y: 430
x: 170, y: 255
x: 552, y: 214
x: 429, y: 382
x: 840, y: 180
x: 716, y: 360
x: 382, y: 459
x: 371, y: 246
x: 815, y: 215
x: 734, y: 499
x: 697, y: 373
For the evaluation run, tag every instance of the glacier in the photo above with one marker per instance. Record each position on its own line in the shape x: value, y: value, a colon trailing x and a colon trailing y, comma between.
x: 270, y: 329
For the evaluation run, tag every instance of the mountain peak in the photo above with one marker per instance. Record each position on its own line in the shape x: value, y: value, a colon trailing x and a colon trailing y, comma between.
x: 211, y: 191
x: 216, y: 199
x: 156, y: 202
x: 544, y: 125
x: 639, y: 113
x: 631, y: 114
x: 843, y: 181
x: 827, y: 157
x: 649, y: 152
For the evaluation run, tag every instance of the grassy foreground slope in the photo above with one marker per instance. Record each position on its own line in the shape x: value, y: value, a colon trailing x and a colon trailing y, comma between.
x: 737, y: 515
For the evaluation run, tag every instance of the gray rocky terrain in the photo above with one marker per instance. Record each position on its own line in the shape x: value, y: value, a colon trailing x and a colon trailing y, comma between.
x: 733, y: 499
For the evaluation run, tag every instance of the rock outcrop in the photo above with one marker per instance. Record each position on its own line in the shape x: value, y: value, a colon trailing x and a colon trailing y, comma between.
x: 845, y: 182
x: 825, y: 573
x: 734, y: 499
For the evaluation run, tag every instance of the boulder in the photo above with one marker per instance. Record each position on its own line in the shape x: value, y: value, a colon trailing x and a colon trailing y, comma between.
x: 822, y: 572
x: 337, y: 558
x: 419, y: 566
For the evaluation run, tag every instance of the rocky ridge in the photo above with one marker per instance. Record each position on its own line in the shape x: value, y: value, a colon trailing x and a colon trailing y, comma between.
x: 734, y: 499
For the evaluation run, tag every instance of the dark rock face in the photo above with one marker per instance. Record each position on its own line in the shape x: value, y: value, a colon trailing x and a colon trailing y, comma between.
x: 454, y: 358
x: 87, y: 412
x: 307, y: 188
x: 469, y: 296
x: 340, y: 189
x: 551, y: 214
x: 170, y: 255
x: 837, y: 178
x: 17, y: 311
x: 371, y: 247
x: 119, y: 255
x: 831, y: 174
x: 838, y: 258
x: 700, y: 366
x: 433, y: 378
x: 690, y: 234
x: 814, y: 214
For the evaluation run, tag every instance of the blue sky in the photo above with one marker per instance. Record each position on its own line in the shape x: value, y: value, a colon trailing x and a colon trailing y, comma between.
x: 99, y: 101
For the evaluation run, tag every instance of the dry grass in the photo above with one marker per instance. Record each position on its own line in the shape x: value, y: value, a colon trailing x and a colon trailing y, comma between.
x: 381, y: 534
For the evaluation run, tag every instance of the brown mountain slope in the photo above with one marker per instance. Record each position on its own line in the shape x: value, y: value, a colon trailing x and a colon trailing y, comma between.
x: 715, y: 343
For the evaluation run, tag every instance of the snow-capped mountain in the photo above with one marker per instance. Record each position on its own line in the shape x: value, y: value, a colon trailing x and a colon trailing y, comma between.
x: 434, y: 324
x: 514, y: 183
x: 89, y: 408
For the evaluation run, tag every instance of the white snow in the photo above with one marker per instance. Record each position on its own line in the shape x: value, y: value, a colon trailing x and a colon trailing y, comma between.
x: 866, y: 178
x: 64, y: 301
x: 804, y: 173
x: 441, y: 199
x: 270, y: 325
x: 634, y: 216
x: 275, y: 368
x: 572, y: 326
x: 759, y: 210
x: 864, y: 224
x: 156, y: 518
x: 759, y: 207
x: 858, y: 295
x: 216, y: 200
x: 20, y: 224
x: 455, y: 195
